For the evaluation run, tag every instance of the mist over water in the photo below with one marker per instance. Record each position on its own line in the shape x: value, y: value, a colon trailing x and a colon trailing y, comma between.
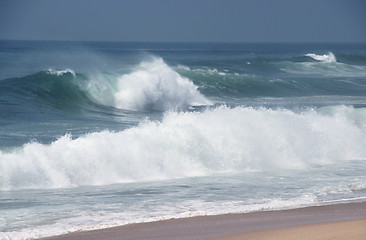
x: 110, y: 131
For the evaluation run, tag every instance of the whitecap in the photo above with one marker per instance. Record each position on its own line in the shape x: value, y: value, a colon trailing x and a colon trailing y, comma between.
x: 60, y: 72
x: 328, y: 58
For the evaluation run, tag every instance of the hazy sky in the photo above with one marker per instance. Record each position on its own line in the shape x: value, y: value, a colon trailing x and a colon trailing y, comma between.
x: 185, y: 20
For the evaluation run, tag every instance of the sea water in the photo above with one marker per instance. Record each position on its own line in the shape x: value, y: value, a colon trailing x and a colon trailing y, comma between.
x: 102, y: 134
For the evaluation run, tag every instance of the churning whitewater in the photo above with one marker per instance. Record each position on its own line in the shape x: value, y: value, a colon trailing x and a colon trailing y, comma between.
x: 105, y: 134
x: 187, y: 144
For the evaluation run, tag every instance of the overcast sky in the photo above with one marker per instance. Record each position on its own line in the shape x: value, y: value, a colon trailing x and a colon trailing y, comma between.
x: 185, y: 20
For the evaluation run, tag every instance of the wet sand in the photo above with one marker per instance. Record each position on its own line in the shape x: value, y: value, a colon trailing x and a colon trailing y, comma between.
x: 339, y: 221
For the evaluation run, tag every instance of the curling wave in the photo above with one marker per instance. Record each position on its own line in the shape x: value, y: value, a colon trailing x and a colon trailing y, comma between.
x: 152, y: 85
x: 56, y: 88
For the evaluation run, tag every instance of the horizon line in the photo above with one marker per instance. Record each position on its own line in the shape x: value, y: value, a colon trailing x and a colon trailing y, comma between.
x: 205, y: 42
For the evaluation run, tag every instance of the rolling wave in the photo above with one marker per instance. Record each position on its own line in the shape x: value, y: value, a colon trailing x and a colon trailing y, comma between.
x: 186, y: 144
x: 152, y: 85
x: 61, y: 89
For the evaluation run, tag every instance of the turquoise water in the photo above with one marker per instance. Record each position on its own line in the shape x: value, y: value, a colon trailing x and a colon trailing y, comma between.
x: 94, y: 135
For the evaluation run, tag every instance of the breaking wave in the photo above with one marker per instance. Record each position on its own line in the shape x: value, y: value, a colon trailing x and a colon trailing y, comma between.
x: 185, y: 144
x: 328, y: 58
x: 156, y: 86
x: 152, y: 85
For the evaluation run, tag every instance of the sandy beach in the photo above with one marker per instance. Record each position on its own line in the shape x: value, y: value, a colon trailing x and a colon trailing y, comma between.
x: 341, y: 230
x: 338, y: 221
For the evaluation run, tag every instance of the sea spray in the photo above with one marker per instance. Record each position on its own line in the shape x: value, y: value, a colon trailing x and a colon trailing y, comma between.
x: 156, y: 86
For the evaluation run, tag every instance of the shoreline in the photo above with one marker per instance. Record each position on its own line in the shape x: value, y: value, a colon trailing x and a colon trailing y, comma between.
x: 236, y: 226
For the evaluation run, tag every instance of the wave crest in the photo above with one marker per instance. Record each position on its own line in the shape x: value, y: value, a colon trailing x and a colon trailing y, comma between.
x: 60, y: 72
x: 328, y: 58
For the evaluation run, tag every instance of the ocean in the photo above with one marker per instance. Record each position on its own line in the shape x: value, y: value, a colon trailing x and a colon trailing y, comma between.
x: 103, y: 134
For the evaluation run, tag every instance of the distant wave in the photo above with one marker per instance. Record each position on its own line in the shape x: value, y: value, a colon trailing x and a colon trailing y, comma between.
x: 325, y: 70
x: 328, y: 58
x: 214, y: 82
x: 185, y: 144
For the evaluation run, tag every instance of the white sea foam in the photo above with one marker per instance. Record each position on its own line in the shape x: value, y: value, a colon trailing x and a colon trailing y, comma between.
x: 328, y: 58
x: 203, y: 71
x: 191, y: 144
x: 88, y: 220
x: 183, y: 67
x: 60, y: 72
x: 208, y: 71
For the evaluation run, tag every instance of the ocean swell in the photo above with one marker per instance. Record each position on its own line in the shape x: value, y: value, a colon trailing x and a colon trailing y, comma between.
x: 186, y: 144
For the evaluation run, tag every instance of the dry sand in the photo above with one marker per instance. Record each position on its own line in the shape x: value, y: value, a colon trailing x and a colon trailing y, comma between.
x: 342, y: 230
x: 340, y: 221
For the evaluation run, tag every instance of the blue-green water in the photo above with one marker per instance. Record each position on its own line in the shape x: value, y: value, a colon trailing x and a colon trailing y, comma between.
x: 103, y: 134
